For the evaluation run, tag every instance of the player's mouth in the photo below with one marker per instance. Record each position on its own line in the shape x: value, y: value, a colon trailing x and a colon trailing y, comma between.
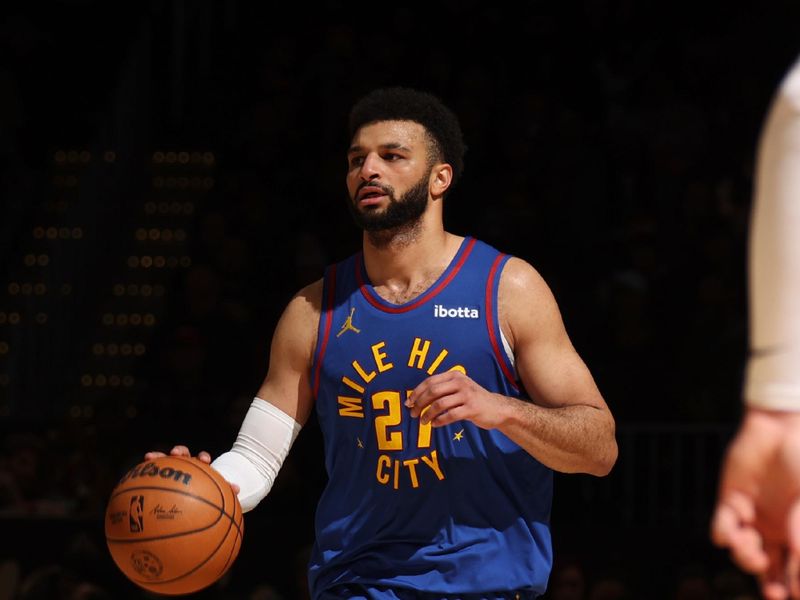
x: 370, y: 195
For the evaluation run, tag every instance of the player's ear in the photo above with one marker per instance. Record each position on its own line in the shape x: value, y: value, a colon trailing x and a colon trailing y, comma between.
x: 441, y: 178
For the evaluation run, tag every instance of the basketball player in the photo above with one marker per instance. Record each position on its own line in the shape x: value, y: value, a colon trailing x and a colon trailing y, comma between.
x: 758, y: 511
x: 445, y: 384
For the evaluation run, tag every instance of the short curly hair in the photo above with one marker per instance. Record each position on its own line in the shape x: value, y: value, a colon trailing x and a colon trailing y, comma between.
x: 406, y: 104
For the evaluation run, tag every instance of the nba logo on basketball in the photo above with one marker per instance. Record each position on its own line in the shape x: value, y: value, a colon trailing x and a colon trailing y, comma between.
x: 136, y: 514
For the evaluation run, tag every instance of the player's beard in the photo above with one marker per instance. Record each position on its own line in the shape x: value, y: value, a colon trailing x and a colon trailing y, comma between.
x: 400, y: 215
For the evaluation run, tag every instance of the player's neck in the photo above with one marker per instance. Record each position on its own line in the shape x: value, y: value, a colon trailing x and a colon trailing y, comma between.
x: 408, y: 257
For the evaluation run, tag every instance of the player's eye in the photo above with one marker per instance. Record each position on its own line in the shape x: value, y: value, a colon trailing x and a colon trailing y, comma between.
x: 391, y: 156
x: 356, y: 161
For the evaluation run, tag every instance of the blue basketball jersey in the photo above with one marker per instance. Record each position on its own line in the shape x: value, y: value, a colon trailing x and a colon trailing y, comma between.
x: 453, y: 510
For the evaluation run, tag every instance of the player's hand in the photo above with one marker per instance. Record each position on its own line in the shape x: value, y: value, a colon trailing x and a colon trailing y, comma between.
x: 758, y: 511
x: 452, y: 396
x: 184, y: 451
x: 180, y: 451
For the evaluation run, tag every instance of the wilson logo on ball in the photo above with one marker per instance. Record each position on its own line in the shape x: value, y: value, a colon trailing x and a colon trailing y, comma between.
x: 151, y: 470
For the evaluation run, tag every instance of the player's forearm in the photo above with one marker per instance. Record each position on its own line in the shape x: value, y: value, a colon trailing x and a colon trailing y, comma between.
x: 773, y: 379
x: 571, y: 439
x: 264, y: 440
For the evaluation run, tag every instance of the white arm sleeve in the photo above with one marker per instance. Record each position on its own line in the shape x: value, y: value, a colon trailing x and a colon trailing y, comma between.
x: 264, y: 440
x: 773, y: 370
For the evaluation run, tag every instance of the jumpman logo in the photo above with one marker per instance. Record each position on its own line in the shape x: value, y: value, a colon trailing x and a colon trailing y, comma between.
x: 348, y: 324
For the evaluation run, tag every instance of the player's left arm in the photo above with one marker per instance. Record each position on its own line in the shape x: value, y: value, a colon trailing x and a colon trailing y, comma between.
x: 568, y: 425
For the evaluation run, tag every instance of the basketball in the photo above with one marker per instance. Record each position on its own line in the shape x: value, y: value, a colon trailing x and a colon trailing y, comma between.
x: 173, y: 525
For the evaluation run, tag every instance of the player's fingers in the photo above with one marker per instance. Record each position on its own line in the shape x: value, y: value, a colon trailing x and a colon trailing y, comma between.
x: 746, y: 547
x: 743, y: 540
x: 235, y: 488
x: 773, y: 580
x: 431, y: 394
x: 425, y: 386
x: 793, y: 551
x: 439, y: 407
x: 451, y: 416
x: 793, y: 575
x: 747, y: 551
x: 793, y: 525
x: 743, y: 504
x: 153, y: 455
x: 180, y: 451
x: 774, y: 590
x: 733, y: 510
x: 724, y: 524
x: 204, y: 456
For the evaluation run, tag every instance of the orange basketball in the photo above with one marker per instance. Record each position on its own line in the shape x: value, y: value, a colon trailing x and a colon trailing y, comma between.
x: 173, y: 525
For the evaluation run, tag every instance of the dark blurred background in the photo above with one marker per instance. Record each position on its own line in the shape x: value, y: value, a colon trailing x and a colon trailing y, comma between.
x: 172, y: 171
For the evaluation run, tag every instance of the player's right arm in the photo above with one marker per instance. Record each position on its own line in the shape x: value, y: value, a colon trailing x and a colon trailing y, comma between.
x: 287, y: 385
x: 281, y: 407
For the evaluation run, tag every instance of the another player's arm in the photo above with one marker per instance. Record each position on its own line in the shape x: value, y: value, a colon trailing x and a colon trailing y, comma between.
x: 758, y: 506
x: 568, y: 426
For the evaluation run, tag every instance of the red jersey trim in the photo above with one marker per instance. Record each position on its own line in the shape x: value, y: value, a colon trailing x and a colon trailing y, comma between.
x: 331, y: 283
x: 499, y: 354
x: 381, y: 305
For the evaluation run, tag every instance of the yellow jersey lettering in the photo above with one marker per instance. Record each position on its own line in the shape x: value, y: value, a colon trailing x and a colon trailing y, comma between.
x: 412, y: 471
x: 418, y: 354
x: 437, y: 362
x: 383, y: 463
x: 388, y: 440
x: 393, y: 470
x: 364, y: 376
x: 352, y: 384
x: 433, y: 463
x: 380, y: 356
x: 458, y: 368
x: 350, y: 407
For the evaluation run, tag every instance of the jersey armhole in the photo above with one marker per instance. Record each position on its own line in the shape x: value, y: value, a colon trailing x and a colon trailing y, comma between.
x: 496, y: 336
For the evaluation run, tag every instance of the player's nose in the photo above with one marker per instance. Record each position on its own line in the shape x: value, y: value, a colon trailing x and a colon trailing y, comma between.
x: 370, y: 168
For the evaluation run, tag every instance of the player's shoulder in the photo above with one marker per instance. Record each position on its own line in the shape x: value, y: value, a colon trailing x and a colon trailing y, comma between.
x: 524, y: 299
x: 307, y: 301
x: 296, y: 331
x: 519, y: 277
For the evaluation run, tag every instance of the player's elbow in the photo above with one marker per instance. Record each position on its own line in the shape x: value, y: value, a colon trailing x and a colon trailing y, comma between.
x: 608, y: 451
x: 597, y: 461
x: 606, y: 459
